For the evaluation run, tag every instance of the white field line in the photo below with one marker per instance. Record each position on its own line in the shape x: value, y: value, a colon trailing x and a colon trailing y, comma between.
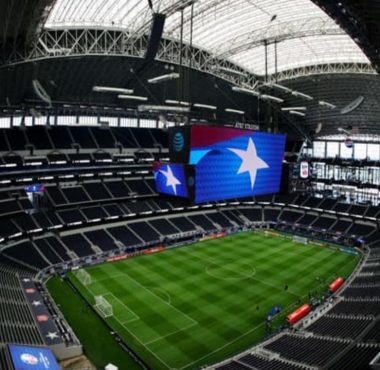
x: 134, y: 336
x: 225, y: 345
x: 229, y: 343
x: 143, y: 344
x: 288, y: 253
x: 164, y: 292
x: 108, y: 278
x: 163, y: 336
x: 136, y: 317
x: 250, y: 277
x: 169, y: 334
x: 243, y: 277
x: 195, y: 323
x: 192, y: 324
x: 162, y: 300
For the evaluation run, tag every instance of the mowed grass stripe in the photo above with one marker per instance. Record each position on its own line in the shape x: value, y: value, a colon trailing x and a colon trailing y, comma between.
x: 120, y: 310
x: 169, y: 319
x: 204, y: 302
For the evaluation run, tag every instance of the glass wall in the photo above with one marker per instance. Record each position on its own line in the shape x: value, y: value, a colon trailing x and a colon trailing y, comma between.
x: 74, y: 120
x: 360, y: 151
x: 333, y: 149
x: 345, y: 152
x: 347, y: 178
x: 365, y: 175
x: 373, y: 152
x: 319, y: 149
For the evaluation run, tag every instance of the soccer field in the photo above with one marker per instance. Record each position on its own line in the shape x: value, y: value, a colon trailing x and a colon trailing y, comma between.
x: 195, y: 305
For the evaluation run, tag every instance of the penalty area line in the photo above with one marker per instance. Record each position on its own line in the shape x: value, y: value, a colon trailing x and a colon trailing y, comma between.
x: 195, y: 322
x: 168, y: 335
x: 144, y: 345
x: 136, y: 317
x: 134, y: 335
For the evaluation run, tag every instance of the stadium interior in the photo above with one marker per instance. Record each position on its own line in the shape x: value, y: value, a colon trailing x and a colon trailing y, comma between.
x: 112, y: 258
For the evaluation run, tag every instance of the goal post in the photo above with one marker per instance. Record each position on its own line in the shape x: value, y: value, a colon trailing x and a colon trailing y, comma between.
x: 300, y: 239
x: 83, y: 276
x: 103, y: 306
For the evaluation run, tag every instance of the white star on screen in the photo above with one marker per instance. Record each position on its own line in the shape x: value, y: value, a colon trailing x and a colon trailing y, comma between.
x: 36, y: 303
x: 251, y: 163
x: 171, y: 180
x: 52, y: 336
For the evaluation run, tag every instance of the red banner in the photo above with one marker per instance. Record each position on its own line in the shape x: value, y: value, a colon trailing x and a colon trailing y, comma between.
x: 154, y: 250
x: 214, y: 236
x: 118, y: 258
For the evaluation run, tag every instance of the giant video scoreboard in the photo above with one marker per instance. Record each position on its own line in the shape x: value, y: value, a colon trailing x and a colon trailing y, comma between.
x: 213, y: 163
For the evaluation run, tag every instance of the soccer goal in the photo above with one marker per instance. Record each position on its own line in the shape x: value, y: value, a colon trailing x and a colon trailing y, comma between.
x: 83, y: 276
x: 300, y: 239
x: 103, y: 306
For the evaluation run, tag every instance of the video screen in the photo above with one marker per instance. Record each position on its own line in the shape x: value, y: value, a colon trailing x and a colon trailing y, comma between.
x: 304, y: 170
x: 234, y: 163
x: 32, y: 358
x: 170, y: 179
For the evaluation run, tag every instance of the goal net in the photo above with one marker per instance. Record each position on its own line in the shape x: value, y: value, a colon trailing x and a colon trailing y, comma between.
x: 300, y: 239
x: 103, y: 306
x: 83, y: 276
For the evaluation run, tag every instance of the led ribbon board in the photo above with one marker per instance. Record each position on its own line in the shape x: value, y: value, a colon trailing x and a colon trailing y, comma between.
x: 233, y: 163
x: 32, y: 358
x: 170, y: 179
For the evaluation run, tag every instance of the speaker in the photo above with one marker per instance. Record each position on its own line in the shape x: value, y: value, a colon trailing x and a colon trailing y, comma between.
x: 286, y: 178
x: 293, y: 146
x: 155, y: 36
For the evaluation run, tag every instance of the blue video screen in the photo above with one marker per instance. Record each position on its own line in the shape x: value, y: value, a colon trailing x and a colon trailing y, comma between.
x: 236, y: 163
x: 170, y: 179
x: 32, y: 358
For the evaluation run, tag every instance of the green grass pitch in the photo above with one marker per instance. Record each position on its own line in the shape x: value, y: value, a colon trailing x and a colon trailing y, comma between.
x: 191, y: 306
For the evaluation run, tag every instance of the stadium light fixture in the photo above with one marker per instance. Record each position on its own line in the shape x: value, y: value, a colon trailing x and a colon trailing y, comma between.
x: 133, y: 97
x: 341, y: 129
x: 163, y: 108
x: 285, y: 109
x: 205, y: 106
x: 229, y: 70
x: 163, y: 78
x: 108, y: 89
x: 41, y: 92
x: 326, y: 104
x: 352, y: 106
x: 279, y: 87
x: 236, y: 111
x: 302, y: 95
x: 246, y: 91
x: 272, y: 98
x: 177, y: 102
x: 296, y: 113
